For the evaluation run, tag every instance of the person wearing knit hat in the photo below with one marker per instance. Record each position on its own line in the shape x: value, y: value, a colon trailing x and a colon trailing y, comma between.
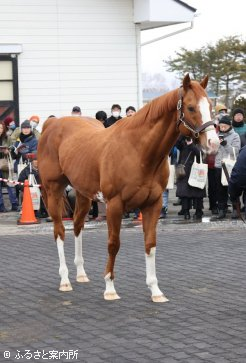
x: 26, y: 125
x: 229, y: 145
x: 26, y: 143
x: 10, y: 125
x: 32, y: 124
x: 226, y: 120
x: 34, y: 120
x: 220, y: 111
x: 238, y: 122
x: 220, y: 108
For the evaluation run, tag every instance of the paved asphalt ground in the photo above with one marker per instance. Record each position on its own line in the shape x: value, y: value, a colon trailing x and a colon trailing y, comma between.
x: 200, y: 267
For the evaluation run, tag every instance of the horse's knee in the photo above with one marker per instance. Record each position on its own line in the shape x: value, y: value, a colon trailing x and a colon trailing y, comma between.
x: 59, y: 231
x: 113, y: 246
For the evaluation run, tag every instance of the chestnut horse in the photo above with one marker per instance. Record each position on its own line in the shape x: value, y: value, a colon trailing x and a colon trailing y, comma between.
x: 128, y: 163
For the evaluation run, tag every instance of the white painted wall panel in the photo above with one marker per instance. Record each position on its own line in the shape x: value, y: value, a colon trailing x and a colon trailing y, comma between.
x: 75, y: 52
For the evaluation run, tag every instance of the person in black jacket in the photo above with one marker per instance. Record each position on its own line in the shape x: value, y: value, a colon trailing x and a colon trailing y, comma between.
x: 115, y: 110
x: 189, y: 195
x: 237, y: 181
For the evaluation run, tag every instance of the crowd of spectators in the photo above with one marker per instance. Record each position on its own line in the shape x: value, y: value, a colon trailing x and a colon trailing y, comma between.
x: 16, y: 143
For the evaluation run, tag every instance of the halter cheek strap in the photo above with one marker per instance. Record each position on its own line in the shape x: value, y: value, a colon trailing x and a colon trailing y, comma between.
x: 181, y: 120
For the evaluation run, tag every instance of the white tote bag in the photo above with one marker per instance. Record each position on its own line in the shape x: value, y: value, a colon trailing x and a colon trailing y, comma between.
x: 170, y: 183
x: 35, y: 192
x: 12, y: 176
x: 229, y: 164
x: 198, y: 174
x: 21, y: 165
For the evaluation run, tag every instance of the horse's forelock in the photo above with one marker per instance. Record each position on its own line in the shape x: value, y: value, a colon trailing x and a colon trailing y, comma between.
x: 198, y: 90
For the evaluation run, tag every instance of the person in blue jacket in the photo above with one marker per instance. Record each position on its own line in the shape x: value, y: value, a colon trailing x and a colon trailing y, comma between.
x: 27, y: 143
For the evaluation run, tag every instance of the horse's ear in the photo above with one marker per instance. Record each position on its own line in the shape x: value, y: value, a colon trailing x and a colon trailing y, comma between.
x: 204, y: 82
x: 186, y: 82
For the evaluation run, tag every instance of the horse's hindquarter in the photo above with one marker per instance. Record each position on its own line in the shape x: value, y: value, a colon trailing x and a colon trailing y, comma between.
x: 68, y: 148
x: 79, y: 156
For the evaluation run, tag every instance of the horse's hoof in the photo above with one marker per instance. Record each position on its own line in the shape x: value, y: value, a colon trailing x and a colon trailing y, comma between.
x: 111, y: 296
x: 82, y: 278
x: 158, y: 299
x: 65, y: 287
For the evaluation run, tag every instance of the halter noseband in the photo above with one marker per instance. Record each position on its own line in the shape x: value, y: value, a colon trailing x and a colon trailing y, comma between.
x: 181, y: 120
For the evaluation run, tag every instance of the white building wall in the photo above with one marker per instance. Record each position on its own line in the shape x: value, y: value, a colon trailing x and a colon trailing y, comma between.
x: 75, y: 52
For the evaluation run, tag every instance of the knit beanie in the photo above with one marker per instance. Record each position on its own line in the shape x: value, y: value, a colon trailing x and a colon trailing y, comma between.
x: 237, y: 110
x: 26, y: 124
x: 8, y: 120
x: 225, y: 120
x: 34, y: 118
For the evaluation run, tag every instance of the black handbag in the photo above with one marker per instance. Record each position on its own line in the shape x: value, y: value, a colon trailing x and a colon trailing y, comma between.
x: 180, y: 169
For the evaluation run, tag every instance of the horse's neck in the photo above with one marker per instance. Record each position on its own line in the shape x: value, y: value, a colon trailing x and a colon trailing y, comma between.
x: 160, y: 131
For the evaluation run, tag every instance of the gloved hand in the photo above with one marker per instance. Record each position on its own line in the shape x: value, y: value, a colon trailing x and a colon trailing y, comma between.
x: 223, y: 143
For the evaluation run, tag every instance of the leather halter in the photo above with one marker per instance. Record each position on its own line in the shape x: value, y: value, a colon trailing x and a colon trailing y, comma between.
x: 181, y: 120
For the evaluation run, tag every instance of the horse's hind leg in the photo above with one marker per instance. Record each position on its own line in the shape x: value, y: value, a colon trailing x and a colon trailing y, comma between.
x: 150, y: 218
x: 81, y: 209
x: 55, y: 206
x: 114, y: 217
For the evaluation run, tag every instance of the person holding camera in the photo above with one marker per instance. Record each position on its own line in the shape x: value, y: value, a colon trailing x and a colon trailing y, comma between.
x: 229, y: 146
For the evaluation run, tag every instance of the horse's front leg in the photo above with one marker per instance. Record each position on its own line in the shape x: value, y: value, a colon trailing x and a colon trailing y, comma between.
x: 81, y: 209
x: 114, y: 217
x: 150, y: 218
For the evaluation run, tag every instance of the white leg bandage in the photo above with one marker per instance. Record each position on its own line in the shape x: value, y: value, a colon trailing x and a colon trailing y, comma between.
x: 151, y: 279
x: 63, y: 270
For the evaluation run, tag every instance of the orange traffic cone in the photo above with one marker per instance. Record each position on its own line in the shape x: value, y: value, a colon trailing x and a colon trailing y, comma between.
x: 140, y: 216
x: 27, y: 216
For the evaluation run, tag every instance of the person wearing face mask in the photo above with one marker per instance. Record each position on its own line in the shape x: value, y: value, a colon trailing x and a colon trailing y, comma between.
x: 229, y: 143
x: 115, y: 115
x: 10, y: 125
x: 34, y: 121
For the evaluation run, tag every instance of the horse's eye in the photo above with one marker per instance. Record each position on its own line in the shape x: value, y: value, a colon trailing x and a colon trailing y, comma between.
x: 191, y: 109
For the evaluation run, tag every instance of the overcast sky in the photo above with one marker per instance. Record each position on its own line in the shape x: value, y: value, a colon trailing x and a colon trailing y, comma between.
x: 216, y: 19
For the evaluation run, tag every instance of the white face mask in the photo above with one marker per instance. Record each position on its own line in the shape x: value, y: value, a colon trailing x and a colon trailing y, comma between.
x: 116, y: 114
x: 33, y: 124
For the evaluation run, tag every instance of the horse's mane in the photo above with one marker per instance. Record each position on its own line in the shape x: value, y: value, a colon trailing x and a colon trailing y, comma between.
x: 154, y: 110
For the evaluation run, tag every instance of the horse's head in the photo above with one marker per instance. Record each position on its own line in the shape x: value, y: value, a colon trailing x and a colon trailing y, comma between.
x: 194, y: 114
